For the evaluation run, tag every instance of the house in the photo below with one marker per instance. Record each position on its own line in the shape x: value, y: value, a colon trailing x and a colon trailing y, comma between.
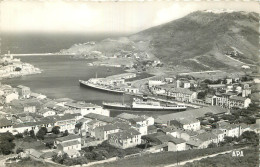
x: 66, y: 122
x: 125, y: 139
x: 126, y: 116
x: 68, y: 142
x: 179, y: 133
x: 186, y: 123
x: 23, y: 91
x: 102, y: 132
x: 35, y: 154
x: 46, y: 112
x: 182, y: 94
x: 176, y: 144
x: 230, y: 100
x: 10, y: 97
x: 86, y: 108
x: 231, y: 130
x: 220, y: 134
x: 179, y: 94
x: 92, y: 125
x: 99, y: 117
x: 5, y: 125
x: 151, y: 129
x: 140, y: 124
x: 202, y: 140
x: 238, y: 101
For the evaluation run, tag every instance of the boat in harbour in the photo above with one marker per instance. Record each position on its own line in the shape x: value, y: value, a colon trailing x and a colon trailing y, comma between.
x: 105, y: 88
x: 144, y: 105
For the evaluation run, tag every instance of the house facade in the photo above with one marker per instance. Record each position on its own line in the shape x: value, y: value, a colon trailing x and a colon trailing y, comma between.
x: 125, y: 139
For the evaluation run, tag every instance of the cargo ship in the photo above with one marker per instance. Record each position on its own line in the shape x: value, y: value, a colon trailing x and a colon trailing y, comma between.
x: 89, y: 84
x: 143, y: 105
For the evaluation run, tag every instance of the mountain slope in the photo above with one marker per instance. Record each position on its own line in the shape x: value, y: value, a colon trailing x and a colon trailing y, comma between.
x: 200, y: 40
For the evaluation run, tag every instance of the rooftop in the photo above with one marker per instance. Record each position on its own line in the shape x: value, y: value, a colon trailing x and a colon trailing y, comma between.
x: 206, y: 136
x: 177, y: 140
x: 80, y: 105
x: 237, y: 98
x: 192, y: 114
x: 108, y: 127
x: 99, y: 117
x: 67, y: 138
x: 69, y: 143
x: 125, y: 134
x: 127, y: 116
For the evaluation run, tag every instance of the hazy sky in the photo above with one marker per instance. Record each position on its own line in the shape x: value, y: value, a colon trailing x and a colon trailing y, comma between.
x: 124, y: 17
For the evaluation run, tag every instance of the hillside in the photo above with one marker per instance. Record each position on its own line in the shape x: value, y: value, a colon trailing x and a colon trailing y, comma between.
x: 199, y: 41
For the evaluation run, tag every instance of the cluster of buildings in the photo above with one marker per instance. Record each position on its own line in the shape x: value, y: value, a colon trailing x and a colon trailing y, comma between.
x: 230, y: 93
x: 13, y: 67
x: 89, y: 124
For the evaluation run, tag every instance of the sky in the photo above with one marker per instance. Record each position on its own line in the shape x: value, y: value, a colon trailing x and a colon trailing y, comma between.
x: 101, y: 17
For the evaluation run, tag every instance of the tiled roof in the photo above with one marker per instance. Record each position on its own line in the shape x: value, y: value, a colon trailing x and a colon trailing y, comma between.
x: 217, y: 131
x: 100, y: 117
x: 177, y: 140
x: 196, y: 113
x: 125, y: 134
x: 108, y: 127
x: 237, y: 98
x: 81, y: 105
x: 127, y: 116
x: 206, y: 136
x: 67, y: 138
x: 70, y: 143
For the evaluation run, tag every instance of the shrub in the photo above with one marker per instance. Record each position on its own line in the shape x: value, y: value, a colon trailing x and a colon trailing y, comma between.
x: 56, y: 130
x: 19, y: 136
x: 19, y: 150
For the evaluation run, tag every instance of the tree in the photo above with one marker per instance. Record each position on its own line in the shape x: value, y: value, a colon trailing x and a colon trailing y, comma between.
x: 66, y: 133
x: 32, y: 134
x: 56, y: 130
x: 18, y: 69
x: 19, y: 136
x: 201, y: 95
x: 212, y: 145
x: 40, y: 134
x: 18, y: 150
x: 6, y: 143
x: 249, y: 136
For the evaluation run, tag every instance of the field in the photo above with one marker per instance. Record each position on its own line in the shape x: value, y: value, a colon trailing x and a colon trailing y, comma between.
x: 32, y: 163
x: 164, y: 158
x: 249, y: 159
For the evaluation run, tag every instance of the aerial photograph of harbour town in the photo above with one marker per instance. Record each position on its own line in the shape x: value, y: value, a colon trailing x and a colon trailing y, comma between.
x: 129, y: 83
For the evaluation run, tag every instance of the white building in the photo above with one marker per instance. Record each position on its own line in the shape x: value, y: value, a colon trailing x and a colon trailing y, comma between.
x: 86, y: 108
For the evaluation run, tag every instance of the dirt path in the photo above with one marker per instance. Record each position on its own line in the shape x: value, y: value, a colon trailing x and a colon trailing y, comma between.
x: 200, y: 158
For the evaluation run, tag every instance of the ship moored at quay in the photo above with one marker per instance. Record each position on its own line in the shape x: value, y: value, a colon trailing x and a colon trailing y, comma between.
x: 89, y: 84
x: 144, y: 105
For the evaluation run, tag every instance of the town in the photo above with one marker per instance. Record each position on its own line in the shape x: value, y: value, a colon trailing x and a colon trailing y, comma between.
x: 69, y: 132
x: 11, y: 67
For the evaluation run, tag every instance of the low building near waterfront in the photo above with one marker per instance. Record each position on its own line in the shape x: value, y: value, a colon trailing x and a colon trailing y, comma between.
x: 87, y: 108
x: 193, y: 114
x: 24, y: 91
